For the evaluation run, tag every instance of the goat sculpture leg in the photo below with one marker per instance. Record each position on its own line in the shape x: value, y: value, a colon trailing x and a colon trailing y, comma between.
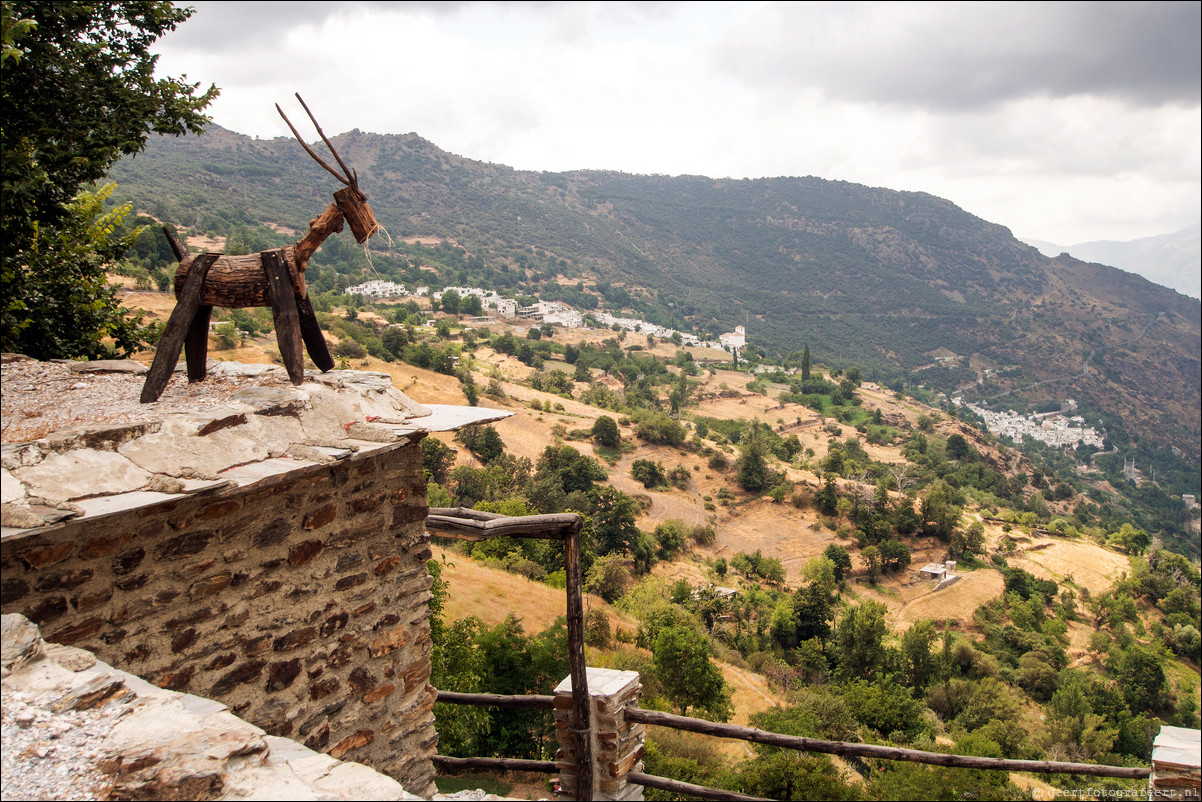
x: 284, y: 312
x: 196, y: 344
x: 179, y: 326
x: 315, y: 342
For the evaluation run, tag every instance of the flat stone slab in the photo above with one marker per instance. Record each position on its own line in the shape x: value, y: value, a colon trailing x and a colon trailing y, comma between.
x: 270, y: 400
x: 255, y: 471
x: 109, y: 366
x: 107, y: 505
x: 602, y: 681
x: 113, y: 454
x: 1178, y: 747
x: 446, y: 417
x: 242, y: 370
x: 357, y: 379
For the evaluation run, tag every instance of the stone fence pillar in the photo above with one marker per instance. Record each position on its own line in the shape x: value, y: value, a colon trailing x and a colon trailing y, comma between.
x: 617, y: 744
x: 1176, y: 764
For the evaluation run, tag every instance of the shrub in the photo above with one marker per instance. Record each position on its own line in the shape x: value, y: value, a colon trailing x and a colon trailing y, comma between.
x: 651, y: 474
x: 679, y: 477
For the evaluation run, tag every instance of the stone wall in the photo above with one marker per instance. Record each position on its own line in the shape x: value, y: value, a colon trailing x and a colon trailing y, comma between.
x: 300, y: 601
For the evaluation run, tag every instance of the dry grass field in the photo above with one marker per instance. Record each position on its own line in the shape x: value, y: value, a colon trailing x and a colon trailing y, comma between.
x: 1083, y: 563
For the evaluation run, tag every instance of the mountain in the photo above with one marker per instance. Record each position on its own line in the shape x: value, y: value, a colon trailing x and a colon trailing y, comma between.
x: 1170, y: 260
x: 867, y: 276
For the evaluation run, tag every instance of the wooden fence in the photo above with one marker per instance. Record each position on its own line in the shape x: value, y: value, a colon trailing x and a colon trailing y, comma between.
x: 753, y: 735
x: 467, y: 524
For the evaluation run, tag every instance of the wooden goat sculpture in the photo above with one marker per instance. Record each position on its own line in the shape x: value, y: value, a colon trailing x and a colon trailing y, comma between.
x: 274, y: 278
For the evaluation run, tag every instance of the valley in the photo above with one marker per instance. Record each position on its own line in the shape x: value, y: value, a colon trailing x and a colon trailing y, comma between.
x: 1035, y: 589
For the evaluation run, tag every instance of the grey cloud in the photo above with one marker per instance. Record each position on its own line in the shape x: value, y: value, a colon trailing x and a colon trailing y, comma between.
x: 966, y: 56
x: 219, y: 26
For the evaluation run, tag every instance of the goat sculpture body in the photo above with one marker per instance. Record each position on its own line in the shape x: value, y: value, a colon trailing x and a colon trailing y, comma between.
x: 274, y: 278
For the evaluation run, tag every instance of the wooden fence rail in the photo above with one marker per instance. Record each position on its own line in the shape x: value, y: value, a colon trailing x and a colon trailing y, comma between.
x: 495, y: 764
x: 497, y: 700
x: 688, y: 789
x: 884, y: 752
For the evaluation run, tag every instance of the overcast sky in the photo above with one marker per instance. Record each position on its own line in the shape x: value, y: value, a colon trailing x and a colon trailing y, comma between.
x: 1065, y: 122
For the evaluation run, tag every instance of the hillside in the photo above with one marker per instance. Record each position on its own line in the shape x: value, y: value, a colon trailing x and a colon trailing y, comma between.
x: 1052, y: 600
x: 863, y: 275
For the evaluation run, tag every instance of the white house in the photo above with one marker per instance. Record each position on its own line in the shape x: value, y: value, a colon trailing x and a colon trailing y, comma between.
x: 734, y: 340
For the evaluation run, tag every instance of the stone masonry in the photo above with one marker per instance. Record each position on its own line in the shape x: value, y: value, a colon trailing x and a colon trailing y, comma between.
x: 617, y: 744
x: 76, y: 728
x: 300, y: 601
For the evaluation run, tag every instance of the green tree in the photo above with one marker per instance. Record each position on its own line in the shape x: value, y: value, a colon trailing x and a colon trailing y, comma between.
x: 394, y: 341
x: 871, y: 555
x: 840, y: 558
x: 826, y: 500
x: 650, y: 473
x: 60, y: 303
x: 858, y: 640
x: 450, y: 302
x: 918, y: 662
x: 437, y: 460
x: 811, y: 614
x: 884, y: 705
x: 471, y: 306
x: 605, y: 432
x: 1141, y: 678
x: 753, y: 474
x: 1130, y: 539
x: 957, y: 447
x: 939, y: 511
x: 689, y: 677
x: 82, y: 77
x: 805, y: 363
x: 614, y: 520
x: 608, y: 577
x: 895, y: 555
x: 483, y: 441
x: 967, y: 542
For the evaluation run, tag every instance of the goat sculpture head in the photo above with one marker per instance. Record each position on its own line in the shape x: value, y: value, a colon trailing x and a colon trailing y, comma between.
x: 351, y: 200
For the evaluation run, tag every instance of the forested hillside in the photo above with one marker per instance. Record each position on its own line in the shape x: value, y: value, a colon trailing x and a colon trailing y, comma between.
x: 862, y: 275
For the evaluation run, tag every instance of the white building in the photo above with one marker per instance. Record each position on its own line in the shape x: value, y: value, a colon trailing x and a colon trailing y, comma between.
x: 1054, y: 429
x: 377, y: 288
x: 553, y: 312
x: 506, y: 307
x: 734, y: 340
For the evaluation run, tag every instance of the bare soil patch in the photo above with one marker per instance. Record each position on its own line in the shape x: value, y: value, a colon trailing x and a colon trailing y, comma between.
x: 157, y: 305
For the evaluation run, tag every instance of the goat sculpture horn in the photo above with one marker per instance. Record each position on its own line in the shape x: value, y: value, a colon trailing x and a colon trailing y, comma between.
x: 346, y: 176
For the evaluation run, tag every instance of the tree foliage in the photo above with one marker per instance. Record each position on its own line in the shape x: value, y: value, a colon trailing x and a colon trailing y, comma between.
x: 605, y: 432
x: 82, y: 76
x: 689, y: 677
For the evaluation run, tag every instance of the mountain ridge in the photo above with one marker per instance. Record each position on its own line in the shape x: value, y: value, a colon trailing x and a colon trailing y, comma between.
x: 863, y: 275
x: 1172, y: 260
